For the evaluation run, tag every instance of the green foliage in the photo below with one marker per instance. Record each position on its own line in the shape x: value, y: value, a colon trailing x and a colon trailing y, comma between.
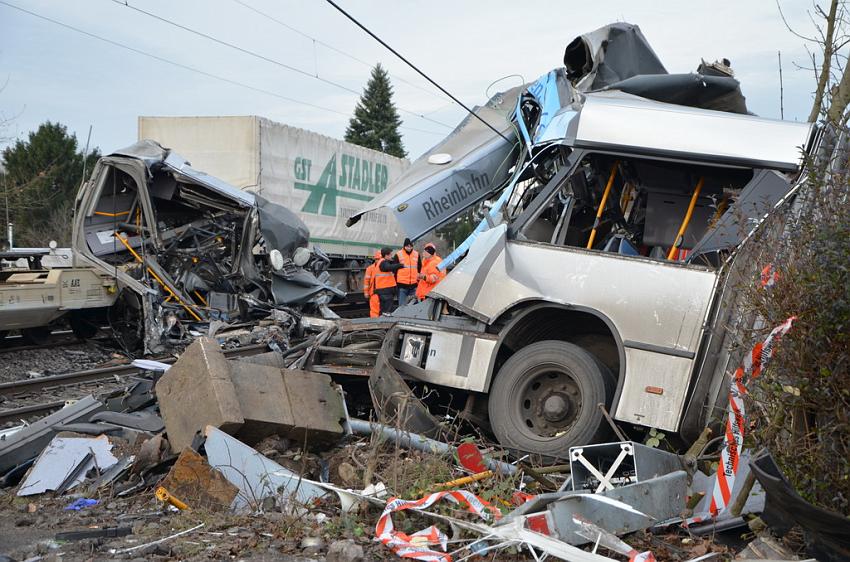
x: 42, y: 177
x: 456, y: 231
x: 655, y: 438
x: 800, y: 406
x: 376, y: 121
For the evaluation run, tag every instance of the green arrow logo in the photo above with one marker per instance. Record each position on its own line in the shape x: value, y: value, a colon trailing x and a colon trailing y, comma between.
x: 324, y: 192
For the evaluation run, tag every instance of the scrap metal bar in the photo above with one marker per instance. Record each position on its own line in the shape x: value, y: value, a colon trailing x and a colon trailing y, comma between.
x: 420, y: 442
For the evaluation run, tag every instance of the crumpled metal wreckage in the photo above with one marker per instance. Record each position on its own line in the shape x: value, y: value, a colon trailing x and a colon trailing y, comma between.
x: 189, y: 248
x: 661, y: 176
x: 473, y: 162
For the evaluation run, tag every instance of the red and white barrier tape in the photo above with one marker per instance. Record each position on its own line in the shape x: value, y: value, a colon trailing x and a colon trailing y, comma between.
x: 415, y: 545
x: 753, y: 365
x: 769, y: 276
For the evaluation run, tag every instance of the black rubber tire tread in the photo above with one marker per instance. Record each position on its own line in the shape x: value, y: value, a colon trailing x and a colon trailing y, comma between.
x: 584, y: 368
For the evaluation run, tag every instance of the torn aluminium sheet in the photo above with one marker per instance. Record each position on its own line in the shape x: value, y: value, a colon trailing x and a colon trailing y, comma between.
x: 255, y: 475
x: 460, y: 171
x: 59, y: 466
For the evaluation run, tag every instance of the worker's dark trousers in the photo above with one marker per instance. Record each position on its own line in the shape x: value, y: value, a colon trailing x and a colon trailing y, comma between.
x: 387, y: 297
x: 405, y: 293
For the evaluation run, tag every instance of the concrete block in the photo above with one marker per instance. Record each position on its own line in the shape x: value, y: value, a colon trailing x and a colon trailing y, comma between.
x: 263, y: 399
x: 317, y: 407
x: 270, y: 359
x: 197, y: 391
x: 295, y: 404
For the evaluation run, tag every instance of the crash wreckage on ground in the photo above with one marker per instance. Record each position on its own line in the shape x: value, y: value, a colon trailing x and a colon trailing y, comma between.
x: 615, y: 199
x: 617, y: 206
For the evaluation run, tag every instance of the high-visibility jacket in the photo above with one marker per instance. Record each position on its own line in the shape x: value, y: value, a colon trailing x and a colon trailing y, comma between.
x: 432, y: 276
x: 383, y: 279
x: 369, y: 280
x: 407, y: 275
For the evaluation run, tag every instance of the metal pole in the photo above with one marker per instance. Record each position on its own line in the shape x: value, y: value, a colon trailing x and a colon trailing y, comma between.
x: 86, y: 156
x: 6, y: 197
x: 781, y: 92
x: 420, y: 442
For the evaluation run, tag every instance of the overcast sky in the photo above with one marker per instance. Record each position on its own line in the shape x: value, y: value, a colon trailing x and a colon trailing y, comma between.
x: 55, y: 73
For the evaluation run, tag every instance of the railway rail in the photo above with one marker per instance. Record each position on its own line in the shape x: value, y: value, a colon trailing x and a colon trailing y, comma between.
x: 41, y: 384
x: 58, y: 338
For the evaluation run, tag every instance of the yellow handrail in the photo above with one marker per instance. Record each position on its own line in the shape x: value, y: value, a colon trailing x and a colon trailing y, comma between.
x: 680, y: 237
x: 602, y: 204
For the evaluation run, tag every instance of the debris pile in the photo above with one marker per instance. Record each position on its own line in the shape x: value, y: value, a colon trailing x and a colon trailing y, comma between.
x: 207, y: 441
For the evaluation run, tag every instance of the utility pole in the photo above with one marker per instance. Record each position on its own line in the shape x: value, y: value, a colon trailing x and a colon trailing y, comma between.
x: 6, y: 197
x: 781, y: 92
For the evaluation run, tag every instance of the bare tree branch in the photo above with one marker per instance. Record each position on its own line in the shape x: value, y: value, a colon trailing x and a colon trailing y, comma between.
x: 840, y: 99
x: 823, y: 80
x: 789, y: 27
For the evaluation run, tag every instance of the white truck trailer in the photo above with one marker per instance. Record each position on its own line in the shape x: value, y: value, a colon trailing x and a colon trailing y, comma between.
x: 322, y: 179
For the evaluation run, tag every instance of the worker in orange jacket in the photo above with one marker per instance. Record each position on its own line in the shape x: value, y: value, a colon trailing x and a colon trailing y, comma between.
x: 369, y: 287
x: 408, y: 275
x: 430, y: 275
x: 384, y: 279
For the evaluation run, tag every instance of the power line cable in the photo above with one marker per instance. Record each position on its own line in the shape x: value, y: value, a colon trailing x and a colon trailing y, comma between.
x: 414, y: 67
x: 291, y: 68
x: 338, y: 50
x: 190, y: 68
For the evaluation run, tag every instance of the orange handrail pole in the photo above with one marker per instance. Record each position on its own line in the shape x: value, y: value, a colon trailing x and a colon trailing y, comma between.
x: 201, y: 298
x: 602, y: 203
x: 105, y: 214
x: 680, y: 237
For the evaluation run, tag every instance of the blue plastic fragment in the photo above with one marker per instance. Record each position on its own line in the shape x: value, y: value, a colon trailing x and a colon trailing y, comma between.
x: 79, y: 504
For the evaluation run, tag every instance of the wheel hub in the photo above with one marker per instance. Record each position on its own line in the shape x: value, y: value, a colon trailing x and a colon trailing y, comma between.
x: 549, y: 403
x: 555, y: 408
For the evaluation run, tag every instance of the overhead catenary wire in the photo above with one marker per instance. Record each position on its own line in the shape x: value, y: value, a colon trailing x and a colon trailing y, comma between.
x: 413, y: 66
x: 191, y: 68
x: 338, y: 50
x: 262, y: 57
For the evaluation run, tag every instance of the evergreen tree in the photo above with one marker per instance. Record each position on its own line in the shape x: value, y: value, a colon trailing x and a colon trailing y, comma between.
x: 43, y: 174
x: 376, y: 121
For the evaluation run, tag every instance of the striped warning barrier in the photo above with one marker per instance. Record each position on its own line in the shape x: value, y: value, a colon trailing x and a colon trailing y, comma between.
x: 416, y: 545
x: 769, y: 276
x: 752, y: 366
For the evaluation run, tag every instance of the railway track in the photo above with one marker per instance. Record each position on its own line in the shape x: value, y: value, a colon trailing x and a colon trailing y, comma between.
x: 58, y: 338
x: 13, y: 344
x: 42, y: 384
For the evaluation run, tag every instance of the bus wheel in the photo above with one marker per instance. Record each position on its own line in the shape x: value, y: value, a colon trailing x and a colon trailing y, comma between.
x: 545, y: 399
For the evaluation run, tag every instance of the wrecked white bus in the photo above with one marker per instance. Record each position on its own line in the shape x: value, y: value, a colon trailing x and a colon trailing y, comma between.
x: 599, y: 275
